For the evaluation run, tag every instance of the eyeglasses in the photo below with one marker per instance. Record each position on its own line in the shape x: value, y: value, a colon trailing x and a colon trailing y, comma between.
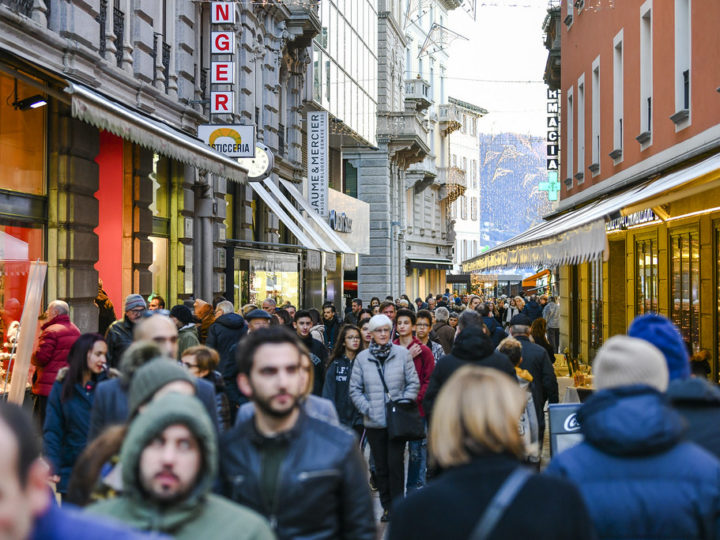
x: 384, y: 330
x: 422, y: 325
x: 187, y: 365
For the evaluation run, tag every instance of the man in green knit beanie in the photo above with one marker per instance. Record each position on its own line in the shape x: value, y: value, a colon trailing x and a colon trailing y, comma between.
x: 169, y: 462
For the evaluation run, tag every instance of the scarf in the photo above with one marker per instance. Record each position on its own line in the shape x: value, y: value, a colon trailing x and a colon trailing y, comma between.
x: 380, y: 352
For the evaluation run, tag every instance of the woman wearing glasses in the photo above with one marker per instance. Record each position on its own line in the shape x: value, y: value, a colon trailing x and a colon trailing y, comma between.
x: 337, y: 378
x: 368, y: 394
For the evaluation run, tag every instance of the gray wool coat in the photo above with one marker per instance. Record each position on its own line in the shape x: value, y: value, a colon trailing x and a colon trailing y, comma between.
x: 366, y: 389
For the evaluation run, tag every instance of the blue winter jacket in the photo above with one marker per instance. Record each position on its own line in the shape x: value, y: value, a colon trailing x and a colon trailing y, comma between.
x: 638, y: 479
x: 65, y: 432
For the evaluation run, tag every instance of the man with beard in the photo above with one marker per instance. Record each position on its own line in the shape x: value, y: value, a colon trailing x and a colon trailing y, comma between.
x: 169, y: 461
x: 306, y: 476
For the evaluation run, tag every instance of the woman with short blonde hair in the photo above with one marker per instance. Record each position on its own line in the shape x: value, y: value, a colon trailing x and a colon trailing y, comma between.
x: 474, y: 437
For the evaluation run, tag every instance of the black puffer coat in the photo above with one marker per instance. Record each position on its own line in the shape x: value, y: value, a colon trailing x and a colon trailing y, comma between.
x: 471, y: 346
x: 698, y: 402
x: 223, y: 336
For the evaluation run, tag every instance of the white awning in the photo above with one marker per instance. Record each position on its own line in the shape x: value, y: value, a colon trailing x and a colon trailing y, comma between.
x: 579, y: 236
x: 339, y: 243
x: 101, y: 112
x: 299, y: 230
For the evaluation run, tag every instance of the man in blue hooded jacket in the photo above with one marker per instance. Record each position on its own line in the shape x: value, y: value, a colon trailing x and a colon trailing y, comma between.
x: 638, y: 478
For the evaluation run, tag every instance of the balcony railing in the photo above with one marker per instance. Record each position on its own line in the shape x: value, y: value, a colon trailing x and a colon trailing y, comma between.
x: 449, y: 118
x: 401, y: 125
x: 452, y: 183
x: 102, y: 20
x: 166, y: 63
x: 119, y: 31
x: 24, y: 7
x: 418, y: 90
x: 281, y: 139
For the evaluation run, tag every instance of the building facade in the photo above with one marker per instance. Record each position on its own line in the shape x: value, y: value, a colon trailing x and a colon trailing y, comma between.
x: 637, y: 226
x: 108, y: 181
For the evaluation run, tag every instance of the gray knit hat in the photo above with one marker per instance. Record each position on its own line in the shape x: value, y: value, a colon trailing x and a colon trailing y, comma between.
x: 625, y: 361
x: 152, y: 377
x: 134, y: 301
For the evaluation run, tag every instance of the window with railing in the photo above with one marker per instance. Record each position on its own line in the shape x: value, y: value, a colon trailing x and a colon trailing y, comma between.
x: 101, y: 20
x: 281, y: 139
x: 473, y: 208
x: 685, y: 284
x: 596, y: 306
x: 24, y: 7
x: 119, y: 31
x: 646, y: 276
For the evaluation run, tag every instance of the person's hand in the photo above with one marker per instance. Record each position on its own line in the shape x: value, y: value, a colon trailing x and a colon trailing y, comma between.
x: 415, y: 350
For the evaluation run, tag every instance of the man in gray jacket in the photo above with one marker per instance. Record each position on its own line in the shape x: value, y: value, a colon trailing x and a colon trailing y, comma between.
x: 551, y: 314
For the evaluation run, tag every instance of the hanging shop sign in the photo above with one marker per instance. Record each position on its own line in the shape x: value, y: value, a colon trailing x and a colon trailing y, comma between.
x: 552, y: 185
x: 230, y: 140
x: 223, y: 70
x: 636, y: 218
x: 318, y: 166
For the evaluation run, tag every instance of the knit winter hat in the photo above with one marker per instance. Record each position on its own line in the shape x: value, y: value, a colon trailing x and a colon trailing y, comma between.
x: 151, y: 377
x: 624, y: 361
x: 662, y: 333
x: 182, y: 313
x: 134, y: 301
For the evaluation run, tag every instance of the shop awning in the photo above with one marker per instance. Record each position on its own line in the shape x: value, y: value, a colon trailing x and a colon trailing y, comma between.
x: 104, y: 113
x: 338, y: 243
x: 300, y: 229
x: 579, y: 235
x: 531, y: 281
x: 430, y: 264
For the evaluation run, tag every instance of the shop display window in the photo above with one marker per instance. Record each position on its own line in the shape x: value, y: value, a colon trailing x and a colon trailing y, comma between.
x: 18, y: 246
x: 160, y: 208
x: 646, y: 272
x: 685, y: 284
x: 596, y: 306
x: 22, y: 140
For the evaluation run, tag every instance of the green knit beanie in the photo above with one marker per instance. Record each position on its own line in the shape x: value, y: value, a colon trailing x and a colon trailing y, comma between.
x: 151, y: 377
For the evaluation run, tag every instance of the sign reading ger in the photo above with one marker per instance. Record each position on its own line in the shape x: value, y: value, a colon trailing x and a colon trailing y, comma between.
x: 230, y: 140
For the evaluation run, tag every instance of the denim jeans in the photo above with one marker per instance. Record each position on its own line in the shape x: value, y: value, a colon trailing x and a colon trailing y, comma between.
x: 417, y: 464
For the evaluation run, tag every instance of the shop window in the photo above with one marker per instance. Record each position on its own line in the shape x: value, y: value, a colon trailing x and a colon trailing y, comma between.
x: 717, y: 297
x: 685, y: 284
x: 160, y: 208
x: 646, y: 276
x: 260, y: 274
x: 22, y: 140
x: 18, y: 246
x: 596, y: 306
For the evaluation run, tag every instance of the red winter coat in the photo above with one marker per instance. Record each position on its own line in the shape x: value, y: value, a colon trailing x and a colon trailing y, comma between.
x: 58, y: 335
x: 424, y: 365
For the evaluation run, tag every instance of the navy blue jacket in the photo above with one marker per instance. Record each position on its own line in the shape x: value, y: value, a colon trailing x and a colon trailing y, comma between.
x: 223, y: 336
x: 65, y: 432
x: 698, y: 402
x: 637, y: 477
x: 337, y: 390
x: 111, y: 407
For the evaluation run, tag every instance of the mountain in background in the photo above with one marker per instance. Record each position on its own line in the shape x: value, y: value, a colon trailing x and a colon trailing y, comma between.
x: 511, y: 168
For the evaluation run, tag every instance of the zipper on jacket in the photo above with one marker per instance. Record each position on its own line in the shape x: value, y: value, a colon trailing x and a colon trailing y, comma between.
x: 306, y: 475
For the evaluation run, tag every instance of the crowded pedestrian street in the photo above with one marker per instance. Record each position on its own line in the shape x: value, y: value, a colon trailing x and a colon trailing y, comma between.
x: 359, y: 270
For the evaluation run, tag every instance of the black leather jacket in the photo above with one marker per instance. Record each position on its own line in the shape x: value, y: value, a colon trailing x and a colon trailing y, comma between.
x: 322, y: 488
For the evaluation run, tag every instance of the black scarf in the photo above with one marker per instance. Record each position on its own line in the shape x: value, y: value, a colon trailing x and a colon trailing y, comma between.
x: 380, y: 352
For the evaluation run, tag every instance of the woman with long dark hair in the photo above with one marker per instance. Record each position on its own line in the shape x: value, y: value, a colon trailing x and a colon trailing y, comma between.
x: 537, y: 331
x: 337, y: 378
x: 67, y: 419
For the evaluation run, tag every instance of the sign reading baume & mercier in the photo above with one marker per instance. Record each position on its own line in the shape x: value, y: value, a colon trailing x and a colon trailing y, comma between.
x: 317, y: 152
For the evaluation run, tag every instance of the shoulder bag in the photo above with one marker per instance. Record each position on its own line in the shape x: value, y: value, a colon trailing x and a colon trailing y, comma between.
x: 499, y: 503
x: 402, y: 417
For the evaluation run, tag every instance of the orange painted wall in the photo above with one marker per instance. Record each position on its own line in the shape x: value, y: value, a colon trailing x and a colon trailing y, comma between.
x: 591, y: 34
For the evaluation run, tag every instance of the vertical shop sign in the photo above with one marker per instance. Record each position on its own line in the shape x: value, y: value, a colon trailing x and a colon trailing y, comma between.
x: 222, y: 71
x: 317, y: 151
x: 552, y: 186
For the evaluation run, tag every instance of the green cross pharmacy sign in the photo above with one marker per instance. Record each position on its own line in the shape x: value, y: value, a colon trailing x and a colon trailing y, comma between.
x: 552, y: 186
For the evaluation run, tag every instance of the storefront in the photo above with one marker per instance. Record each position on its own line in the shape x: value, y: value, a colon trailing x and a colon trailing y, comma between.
x: 651, y: 248
x: 426, y: 276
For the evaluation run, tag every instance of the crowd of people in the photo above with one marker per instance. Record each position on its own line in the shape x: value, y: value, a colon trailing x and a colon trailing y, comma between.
x: 273, y: 421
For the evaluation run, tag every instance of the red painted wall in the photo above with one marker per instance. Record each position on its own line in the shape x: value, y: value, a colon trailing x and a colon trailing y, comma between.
x: 109, y: 229
x: 591, y: 34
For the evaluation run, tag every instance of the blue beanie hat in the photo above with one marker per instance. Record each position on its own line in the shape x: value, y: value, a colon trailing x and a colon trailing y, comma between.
x: 662, y: 333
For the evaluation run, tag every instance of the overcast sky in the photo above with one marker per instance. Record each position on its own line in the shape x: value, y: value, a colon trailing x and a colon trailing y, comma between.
x: 505, y: 44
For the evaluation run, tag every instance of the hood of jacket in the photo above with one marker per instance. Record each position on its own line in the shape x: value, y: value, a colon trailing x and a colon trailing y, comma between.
x: 165, y: 411
x: 472, y: 344
x: 630, y: 421
x: 233, y: 321
x: 693, y: 390
x: 63, y: 319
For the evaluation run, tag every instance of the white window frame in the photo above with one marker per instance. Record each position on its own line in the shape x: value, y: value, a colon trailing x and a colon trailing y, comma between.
x: 569, y: 14
x: 570, y: 132
x: 646, y: 76
x: 618, y: 91
x: 580, y: 107
x: 683, y: 63
x: 595, y: 140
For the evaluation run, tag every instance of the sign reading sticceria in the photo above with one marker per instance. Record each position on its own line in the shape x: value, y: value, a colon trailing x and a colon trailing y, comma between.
x: 230, y: 140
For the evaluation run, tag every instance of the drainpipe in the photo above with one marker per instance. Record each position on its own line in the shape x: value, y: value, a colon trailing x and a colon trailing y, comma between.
x: 204, y: 256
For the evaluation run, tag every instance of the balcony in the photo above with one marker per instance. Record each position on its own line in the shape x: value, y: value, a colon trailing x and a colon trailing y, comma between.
x: 417, y: 94
x: 449, y: 117
x: 421, y: 175
x: 304, y: 22
x: 406, y: 136
x: 551, y: 28
x: 452, y: 183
